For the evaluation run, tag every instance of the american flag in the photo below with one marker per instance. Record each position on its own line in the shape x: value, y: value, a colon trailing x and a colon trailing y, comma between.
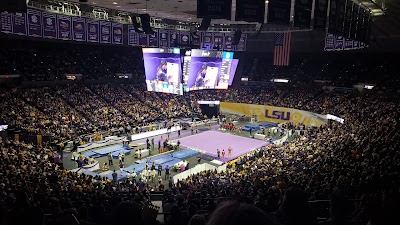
x: 282, y: 48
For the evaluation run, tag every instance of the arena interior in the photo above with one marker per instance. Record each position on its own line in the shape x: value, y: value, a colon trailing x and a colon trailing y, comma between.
x: 305, y: 136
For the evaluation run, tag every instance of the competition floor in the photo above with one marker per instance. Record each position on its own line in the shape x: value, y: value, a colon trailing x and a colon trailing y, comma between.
x: 208, y: 142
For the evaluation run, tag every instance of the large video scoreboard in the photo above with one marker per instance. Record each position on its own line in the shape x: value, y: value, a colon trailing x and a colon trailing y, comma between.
x: 207, y: 69
x: 163, y: 70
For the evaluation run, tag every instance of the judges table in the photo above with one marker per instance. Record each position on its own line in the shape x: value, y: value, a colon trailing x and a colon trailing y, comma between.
x: 259, y: 136
x: 145, y: 152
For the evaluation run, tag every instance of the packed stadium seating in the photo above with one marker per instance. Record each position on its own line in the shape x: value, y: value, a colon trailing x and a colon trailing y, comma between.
x: 355, y: 165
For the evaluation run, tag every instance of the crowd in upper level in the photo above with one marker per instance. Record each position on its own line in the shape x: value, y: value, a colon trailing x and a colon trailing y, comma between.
x: 49, y: 61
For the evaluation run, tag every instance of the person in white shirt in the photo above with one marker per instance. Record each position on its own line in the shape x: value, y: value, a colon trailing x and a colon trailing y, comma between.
x: 91, y: 160
x: 128, y: 176
x: 153, y: 175
x: 133, y: 174
x: 143, y: 176
x: 147, y: 173
x: 120, y: 157
x: 74, y: 156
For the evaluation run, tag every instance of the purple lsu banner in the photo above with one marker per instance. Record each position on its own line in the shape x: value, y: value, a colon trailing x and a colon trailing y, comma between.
x: 356, y: 44
x: 49, y: 25
x: 329, y: 42
x: 143, y: 40
x: 153, y: 39
x: 78, y: 29
x: 348, y: 44
x: 6, y: 22
x: 339, y: 43
x: 93, y: 30
x: 133, y: 37
x: 207, y: 38
x: 184, y: 38
x: 218, y: 40
x: 196, y: 39
x: 64, y: 27
x: 228, y: 43
x: 105, y: 32
x: 34, y: 23
x: 20, y: 24
x: 173, y: 38
x: 163, y: 38
x: 117, y: 34
x: 242, y: 45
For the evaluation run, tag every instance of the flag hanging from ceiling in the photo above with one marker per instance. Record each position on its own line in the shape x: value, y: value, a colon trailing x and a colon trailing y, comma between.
x: 282, y: 48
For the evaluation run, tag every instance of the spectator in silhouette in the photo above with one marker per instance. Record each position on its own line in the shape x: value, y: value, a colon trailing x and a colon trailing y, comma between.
x: 339, y: 210
x: 191, y: 210
x: 197, y: 220
x: 175, y: 216
x: 294, y: 209
x: 235, y: 213
x: 127, y: 213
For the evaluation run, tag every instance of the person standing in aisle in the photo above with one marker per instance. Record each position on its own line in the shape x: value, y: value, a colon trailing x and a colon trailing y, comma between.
x: 110, y: 159
x: 159, y: 169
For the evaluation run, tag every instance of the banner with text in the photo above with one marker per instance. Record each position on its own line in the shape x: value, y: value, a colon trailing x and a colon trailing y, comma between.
x: 6, y: 22
x: 339, y: 43
x: 274, y: 114
x: 93, y: 30
x: 64, y: 27
x: 78, y: 29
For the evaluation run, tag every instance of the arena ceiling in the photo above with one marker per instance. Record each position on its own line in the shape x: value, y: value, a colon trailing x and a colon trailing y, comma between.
x: 388, y: 25
x: 386, y: 12
x: 183, y: 10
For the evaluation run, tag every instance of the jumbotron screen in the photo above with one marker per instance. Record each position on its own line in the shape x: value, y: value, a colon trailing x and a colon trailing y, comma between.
x: 163, y: 70
x: 206, y: 69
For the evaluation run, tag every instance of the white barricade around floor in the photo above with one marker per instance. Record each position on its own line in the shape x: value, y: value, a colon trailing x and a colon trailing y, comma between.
x: 221, y: 168
x: 154, y: 133
x: 197, y: 169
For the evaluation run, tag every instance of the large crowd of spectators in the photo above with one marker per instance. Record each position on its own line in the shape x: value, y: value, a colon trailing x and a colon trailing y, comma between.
x: 355, y: 165
x: 357, y: 159
x: 354, y: 160
x: 60, y: 118
x: 17, y: 112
